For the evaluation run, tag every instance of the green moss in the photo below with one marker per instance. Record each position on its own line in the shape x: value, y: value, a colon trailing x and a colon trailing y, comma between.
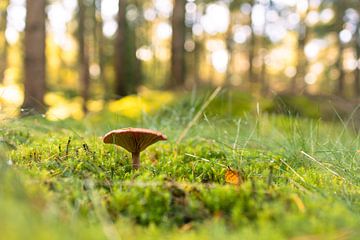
x: 81, y: 188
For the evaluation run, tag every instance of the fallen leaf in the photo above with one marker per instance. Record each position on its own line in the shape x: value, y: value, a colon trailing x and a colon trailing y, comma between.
x: 233, y: 177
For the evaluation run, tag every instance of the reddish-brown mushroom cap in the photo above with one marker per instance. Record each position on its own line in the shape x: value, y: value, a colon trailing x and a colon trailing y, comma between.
x: 133, y: 139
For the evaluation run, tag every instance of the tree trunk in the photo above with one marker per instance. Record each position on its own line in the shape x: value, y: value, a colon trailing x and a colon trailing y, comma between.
x: 251, y: 77
x: 230, y: 50
x: 301, y: 64
x: 83, y: 56
x: 133, y: 65
x: 177, y: 77
x: 298, y: 79
x: 357, y: 75
x: 339, y: 65
x: 100, y: 42
x: 263, y: 77
x: 197, y: 59
x: 264, y: 85
x: 4, y: 45
x: 34, y: 84
x: 339, y: 14
x: 251, y: 55
x: 357, y: 70
x: 120, y: 51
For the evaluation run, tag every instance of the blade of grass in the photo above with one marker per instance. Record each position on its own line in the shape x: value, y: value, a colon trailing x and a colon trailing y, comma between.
x: 205, y: 160
x: 198, y: 115
x: 293, y: 170
x: 321, y: 164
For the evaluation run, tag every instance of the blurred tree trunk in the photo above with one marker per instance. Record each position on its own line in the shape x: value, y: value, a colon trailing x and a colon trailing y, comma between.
x: 139, y: 77
x: 264, y: 85
x: 230, y: 50
x: 357, y: 70
x: 339, y: 65
x: 339, y: 14
x: 34, y: 82
x: 197, y: 59
x: 120, y: 51
x: 100, y: 49
x: 229, y: 70
x: 4, y: 45
x: 83, y: 55
x: 301, y: 63
x: 127, y: 68
x: 303, y: 32
x: 263, y: 51
x: 251, y: 54
x: 133, y: 65
x: 177, y: 77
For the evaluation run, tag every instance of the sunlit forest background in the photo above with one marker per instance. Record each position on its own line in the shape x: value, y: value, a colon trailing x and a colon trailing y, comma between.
x: 251, y: 108
x: 64, y: 58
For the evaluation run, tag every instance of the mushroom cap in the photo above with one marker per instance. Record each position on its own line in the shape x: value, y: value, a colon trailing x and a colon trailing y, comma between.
x: 133, y: 139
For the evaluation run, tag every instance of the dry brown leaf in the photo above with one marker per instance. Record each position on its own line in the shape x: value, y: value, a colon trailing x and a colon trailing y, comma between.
x: 233, y: 177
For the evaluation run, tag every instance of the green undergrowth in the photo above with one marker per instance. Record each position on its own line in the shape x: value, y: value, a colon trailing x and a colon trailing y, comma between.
x: 301, y: 179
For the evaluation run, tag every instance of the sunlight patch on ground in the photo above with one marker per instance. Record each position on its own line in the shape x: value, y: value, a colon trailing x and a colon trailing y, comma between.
x: 147, y: 101
x: 95, y: 105
x: 11, y: 95
x: 11, y: 98
x: 62, y: 108
x: 59, y: 107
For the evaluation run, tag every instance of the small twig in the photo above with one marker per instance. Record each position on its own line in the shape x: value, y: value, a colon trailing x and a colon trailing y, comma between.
x: 67, y: 148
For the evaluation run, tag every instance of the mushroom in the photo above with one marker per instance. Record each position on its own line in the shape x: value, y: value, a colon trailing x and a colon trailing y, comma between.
x: 134, y: 140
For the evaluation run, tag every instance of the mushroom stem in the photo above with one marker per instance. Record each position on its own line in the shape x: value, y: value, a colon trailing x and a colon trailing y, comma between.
x: 136, y: 160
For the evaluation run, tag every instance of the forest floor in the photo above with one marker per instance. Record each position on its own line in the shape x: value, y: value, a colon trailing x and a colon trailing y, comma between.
x: 300, y: 178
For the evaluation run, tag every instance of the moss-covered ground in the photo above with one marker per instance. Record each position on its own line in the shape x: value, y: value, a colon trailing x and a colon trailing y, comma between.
x: 301, y: 177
